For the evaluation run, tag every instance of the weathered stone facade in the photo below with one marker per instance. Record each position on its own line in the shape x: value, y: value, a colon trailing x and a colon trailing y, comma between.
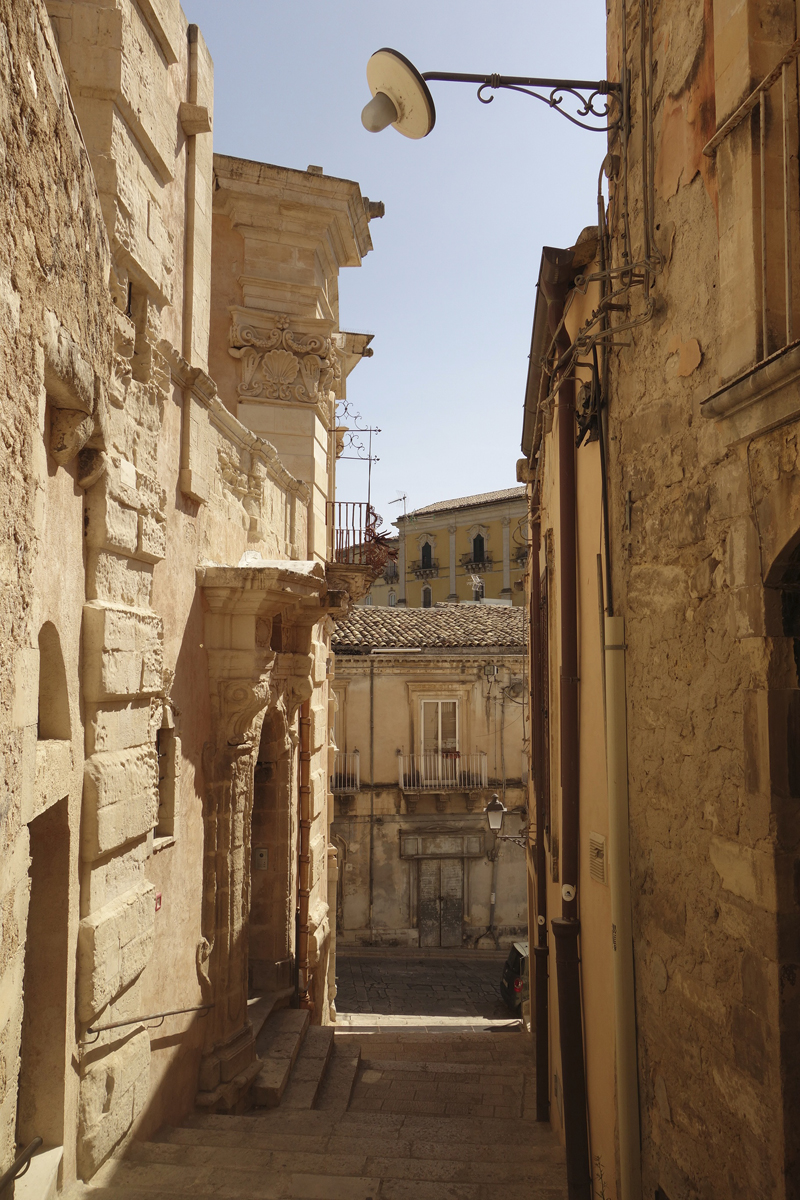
x: 702, y: 429
x: 167, y: 592
x: 428, y: 727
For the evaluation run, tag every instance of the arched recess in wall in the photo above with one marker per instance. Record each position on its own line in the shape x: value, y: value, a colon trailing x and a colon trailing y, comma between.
x: 272, y: 883
x: 782, y: 613
x: 54, y: 722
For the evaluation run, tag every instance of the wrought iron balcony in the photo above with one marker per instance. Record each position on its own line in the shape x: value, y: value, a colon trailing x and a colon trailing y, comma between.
x: 346, y: 772
x: 354, y: 536
x: 425, y: 570
x: 449, y: 771
x: 476, y: 565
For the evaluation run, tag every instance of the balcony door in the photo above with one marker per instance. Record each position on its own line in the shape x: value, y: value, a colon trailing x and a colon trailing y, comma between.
x: 440, y: 741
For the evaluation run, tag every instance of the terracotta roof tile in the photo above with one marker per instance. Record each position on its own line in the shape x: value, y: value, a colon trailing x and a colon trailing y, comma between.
x: 514, y: 493
x: 449, y: 626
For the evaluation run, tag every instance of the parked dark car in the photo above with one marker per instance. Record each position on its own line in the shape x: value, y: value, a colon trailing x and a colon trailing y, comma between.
x: 514, y: 984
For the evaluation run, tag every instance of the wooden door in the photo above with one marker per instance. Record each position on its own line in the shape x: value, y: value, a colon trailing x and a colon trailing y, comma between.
x: 441, y: 901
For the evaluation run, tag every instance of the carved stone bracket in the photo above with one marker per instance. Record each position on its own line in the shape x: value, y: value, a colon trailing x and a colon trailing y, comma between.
x: 279, y: 363
x: 246, y: 675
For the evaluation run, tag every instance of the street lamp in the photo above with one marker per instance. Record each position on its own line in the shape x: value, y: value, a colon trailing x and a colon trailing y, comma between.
x: 495, y: 811
x: 401, y: 96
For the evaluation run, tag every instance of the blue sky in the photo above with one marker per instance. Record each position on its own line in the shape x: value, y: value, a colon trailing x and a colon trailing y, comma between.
x: 448, y: 291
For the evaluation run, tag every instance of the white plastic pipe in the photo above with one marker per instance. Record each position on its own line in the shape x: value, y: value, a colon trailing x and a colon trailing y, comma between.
x: 630, y: 1163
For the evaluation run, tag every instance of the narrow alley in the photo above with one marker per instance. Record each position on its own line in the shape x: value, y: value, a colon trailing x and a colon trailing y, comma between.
x: 424, y: 1090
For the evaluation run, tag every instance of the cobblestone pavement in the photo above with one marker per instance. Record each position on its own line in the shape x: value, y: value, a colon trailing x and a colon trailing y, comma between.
x: 400, y: 983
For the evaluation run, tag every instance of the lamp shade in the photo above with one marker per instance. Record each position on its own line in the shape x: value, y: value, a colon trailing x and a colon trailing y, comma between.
x: 391, y: 75
x: 495, y: 811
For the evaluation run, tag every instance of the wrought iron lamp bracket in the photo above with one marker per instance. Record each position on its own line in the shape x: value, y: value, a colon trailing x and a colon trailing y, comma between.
x: 585, y: 92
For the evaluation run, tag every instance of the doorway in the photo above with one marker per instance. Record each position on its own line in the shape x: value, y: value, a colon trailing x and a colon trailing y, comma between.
x: 441, y: 901
x: 40, y: 1095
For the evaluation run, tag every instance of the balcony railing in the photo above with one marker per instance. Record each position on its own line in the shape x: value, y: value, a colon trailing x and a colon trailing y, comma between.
x: 476, y: 565
x: 449, y: 771
x: 778, y: 135
x: 425, y: 570
x: 354, y: 535
x: 346, y: 772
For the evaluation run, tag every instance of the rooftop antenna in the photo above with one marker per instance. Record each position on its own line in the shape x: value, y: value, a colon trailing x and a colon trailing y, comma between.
x: 403, y: 497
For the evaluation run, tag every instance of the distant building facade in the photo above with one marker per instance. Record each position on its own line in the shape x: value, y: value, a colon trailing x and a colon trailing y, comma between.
x: 461, y: 550
x: 428, y: 724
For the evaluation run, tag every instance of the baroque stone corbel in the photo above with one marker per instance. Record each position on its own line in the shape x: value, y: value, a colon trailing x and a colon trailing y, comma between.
x: 279, y: 363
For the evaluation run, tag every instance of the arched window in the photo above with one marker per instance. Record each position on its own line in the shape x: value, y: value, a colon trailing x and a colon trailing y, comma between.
x: 368, y: 601
x: 53, y: 694
x: 392, y: 599
x: 426, y: 556
x: 426, y: 597
x: 478, y: 590
x: 478, y: 548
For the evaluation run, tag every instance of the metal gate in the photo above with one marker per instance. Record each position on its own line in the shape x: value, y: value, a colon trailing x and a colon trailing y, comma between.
x: 441, y: 901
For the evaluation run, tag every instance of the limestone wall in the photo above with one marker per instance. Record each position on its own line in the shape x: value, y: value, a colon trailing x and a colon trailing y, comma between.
x: 55, y: 345
x: 702, y: 452
x: 160, y: 600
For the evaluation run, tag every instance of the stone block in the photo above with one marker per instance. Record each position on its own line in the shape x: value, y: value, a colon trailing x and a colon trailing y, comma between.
x: 68, y: 377
x: 113, y: 1091
x: 110, y: 524
x: 118, y: 579
x: 120, y: 799
x: 152, y: 543
x: 118, y: 727
x: 114, y: 947
x: 25, y: 706
x: 53, y: 774
x: 123, y: 651
x: 749, y: 874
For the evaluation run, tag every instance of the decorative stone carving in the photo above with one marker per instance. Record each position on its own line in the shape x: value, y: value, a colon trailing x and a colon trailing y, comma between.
x: 279, y: 364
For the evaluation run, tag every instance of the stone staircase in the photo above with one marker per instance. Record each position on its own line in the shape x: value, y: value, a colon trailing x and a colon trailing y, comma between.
x: 380, y: 1115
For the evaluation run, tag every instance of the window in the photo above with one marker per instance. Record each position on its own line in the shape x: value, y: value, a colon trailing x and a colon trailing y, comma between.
x: 392, y: 599
x: 478, y: 590
x: 478, y: 549
x: 426, y: 597
x: 426, y: 555
x: 368, y: 601
x: 439, y: 727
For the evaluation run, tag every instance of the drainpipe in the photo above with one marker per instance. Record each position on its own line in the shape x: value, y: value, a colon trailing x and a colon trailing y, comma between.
x: 566, y: 930
x: 630, y: 1166
x: 191, y: 200
x: 540, y: 949
x: 371, y: 800
x: 304, y: 857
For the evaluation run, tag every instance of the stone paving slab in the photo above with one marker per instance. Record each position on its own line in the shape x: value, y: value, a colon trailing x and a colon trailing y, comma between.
x: 445, y: 985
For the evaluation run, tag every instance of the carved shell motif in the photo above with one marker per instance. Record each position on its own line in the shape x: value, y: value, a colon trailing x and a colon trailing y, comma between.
x: 279, y: 369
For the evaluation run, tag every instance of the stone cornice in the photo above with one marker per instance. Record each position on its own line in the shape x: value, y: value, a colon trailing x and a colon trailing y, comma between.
x: 294, y: 206
x: 761, y: 399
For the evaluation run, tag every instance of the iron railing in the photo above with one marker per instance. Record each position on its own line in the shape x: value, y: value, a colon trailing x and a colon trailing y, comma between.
x: 448, y: 771
x: 20, y: 1164
x: 477, y: 564
x: 778, y: 113
x: 352, y: 532
x: 346, y: 771
x: 96, y: 1030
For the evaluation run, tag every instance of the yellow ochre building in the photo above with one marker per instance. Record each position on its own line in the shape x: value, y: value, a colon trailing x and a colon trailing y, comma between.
x: 468, y: 550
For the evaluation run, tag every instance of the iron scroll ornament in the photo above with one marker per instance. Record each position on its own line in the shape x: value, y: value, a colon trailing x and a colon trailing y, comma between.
x: 585, y: 92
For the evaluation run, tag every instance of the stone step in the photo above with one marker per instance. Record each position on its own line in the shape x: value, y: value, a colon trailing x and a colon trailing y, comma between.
x: 373, y: 1160
x: 309, y: 1070
x: 540, y: 1146
x: 121, y: 1179
x: 337, y: 1087
x: 278, y: 1046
